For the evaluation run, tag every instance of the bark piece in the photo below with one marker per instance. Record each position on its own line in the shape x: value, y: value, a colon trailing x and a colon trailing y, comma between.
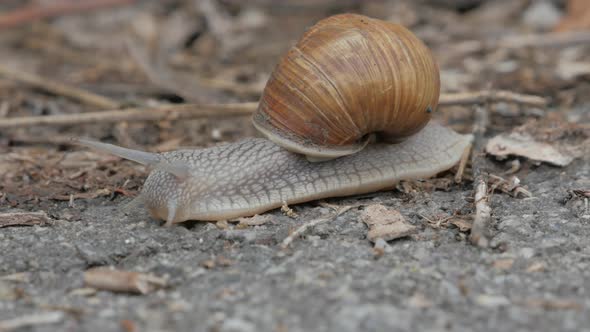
x: 385, y: 223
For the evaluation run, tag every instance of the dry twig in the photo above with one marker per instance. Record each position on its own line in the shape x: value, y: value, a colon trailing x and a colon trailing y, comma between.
x: 462, y: 164
x: 482, y: 215
x: 32, y: 13
x: 339, y: 210
x: 193, y: 111
x: 59, y: 88
x: 23, y: 219
x: 489, y: 96
x: 482, y: 209
x: 562, y: 39
x: 511, y: 186
x: 172, y: 112
x: 31, y: 320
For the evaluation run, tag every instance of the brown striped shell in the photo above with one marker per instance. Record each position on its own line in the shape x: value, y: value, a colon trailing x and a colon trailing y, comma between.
x: 348, y: 76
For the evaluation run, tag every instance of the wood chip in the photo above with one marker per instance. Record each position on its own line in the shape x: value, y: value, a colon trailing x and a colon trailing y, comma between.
x: 84, y: 291
x: 419, y: 301
x: 536, y: 267
x: 503, y: 264
x: 221, y: 261
x: 385, y: 223
x: 23, y: 219
x: 222, y: 224
x: 288, y: 211
x: 16, y: 277
x: 122, y: 281
x: 256, y: 220
x: 463, y: 224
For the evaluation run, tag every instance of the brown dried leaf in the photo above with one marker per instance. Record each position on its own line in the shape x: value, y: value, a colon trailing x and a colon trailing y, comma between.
x: 384, y: 223
x: 525, y: 146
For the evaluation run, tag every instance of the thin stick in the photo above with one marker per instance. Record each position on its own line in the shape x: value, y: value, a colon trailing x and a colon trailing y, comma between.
x: 23, y: 219
x: 32, y: 13
x: 489, y: 96
x: 482, y: 215
x: 287, y: 241
x: 122, y: 281
x: 59, y: 88
x: 172, y: 112
x: 462, y: 164
x: 31, y: 320
x: 483, y: 211
x: 560, y: 39
x: 193, y: 111
x: 542, y: 40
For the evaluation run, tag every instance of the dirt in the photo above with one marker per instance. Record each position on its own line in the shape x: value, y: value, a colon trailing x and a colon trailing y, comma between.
x: 229, y: 277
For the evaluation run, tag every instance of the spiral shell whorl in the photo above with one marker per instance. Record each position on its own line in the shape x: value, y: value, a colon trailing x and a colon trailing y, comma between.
x: 348, y: 76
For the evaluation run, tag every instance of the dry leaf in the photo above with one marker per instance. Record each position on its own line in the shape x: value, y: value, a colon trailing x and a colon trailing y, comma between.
x: 526, y: 146
x: 550, y: 140
x: 384, y: 223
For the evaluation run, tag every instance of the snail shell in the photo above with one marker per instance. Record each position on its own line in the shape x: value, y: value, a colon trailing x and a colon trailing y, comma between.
x: 348, y: 76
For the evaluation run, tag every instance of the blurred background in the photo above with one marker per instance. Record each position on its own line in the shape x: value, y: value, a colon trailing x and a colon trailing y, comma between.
x: 61, y: 59
x: 149, y: 53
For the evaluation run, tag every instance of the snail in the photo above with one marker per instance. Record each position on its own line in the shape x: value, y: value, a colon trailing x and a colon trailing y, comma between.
x: 348, y: 81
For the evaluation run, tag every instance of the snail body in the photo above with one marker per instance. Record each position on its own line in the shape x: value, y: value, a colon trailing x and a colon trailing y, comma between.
x: 255, y: 175
x: 348, y: 78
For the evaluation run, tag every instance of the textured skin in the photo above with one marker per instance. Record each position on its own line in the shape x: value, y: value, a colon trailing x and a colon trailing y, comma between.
x: 255, y: 175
